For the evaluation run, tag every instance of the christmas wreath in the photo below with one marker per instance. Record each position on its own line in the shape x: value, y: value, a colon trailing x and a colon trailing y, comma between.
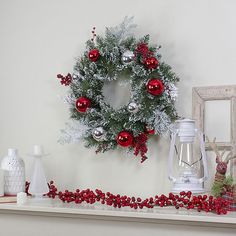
x: 151, y: 108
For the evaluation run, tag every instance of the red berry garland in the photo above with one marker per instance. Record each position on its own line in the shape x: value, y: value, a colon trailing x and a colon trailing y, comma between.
x: 183, y: 200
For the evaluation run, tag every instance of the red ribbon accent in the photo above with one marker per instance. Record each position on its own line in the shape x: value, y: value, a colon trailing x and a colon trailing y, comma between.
x: 140, y: 146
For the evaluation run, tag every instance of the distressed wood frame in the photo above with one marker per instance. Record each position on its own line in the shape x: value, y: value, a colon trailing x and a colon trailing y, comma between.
x: 212, y: 93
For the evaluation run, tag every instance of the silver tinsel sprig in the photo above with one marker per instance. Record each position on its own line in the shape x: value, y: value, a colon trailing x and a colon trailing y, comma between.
x: 140, y: 71
x: 123, y: 30
x: 162, y: 122
x: 73, y: 132
x: 70, y: 99
x: 77, y: 76
x: 173, y: 91
x: 114, y: 54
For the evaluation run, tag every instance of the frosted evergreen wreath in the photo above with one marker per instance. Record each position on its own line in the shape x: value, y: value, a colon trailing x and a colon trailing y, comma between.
x: 150, y: 110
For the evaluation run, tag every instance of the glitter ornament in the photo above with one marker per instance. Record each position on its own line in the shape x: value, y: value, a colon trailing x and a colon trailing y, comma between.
x: 94, y: 55
x: 133, y: 107
x: 127, y: 57
x: 155, y: 87
x: 82, y: 104
x: 99, y: 134
x: 125, y: 139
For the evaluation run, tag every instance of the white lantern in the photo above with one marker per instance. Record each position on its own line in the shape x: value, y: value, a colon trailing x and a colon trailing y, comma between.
x: 187, y: 165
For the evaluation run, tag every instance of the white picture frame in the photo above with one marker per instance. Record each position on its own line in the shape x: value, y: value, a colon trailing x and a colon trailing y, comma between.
x: 200, y: 95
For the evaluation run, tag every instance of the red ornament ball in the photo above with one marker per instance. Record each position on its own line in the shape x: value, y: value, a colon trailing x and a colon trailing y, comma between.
x: 94, y: 55
x: 151, y: 63
x: 149, y: 130
x: 125, y: 139
x: 155, y: 87
x: 82, y: 104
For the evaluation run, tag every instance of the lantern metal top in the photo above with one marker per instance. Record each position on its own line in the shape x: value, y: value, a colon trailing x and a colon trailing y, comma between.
x: 186, y: 130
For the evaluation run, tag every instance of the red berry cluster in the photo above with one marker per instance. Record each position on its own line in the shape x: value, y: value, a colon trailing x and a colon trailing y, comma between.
x: 52, y: 190
x: 93, y: 34
x: 101, y: 147
x: 142, y: 48
x: 27, y: 184
x: 183, y: 200
x: 140, y: 146
x: 65, y: 80
x: 147, y: 57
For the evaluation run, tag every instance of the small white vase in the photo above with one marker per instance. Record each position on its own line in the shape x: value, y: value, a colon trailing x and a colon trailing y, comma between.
x: 1, y: 182
x: 14, y: 173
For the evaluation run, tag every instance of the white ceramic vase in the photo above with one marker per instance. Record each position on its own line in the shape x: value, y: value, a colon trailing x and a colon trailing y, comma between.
x: 14, y: 173
x: 1, y: 182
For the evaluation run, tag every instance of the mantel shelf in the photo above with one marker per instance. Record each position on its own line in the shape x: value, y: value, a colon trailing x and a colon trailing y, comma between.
x: 99, y: 212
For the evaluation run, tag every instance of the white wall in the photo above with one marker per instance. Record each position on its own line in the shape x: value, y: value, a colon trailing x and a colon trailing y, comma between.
x: 39, y: 39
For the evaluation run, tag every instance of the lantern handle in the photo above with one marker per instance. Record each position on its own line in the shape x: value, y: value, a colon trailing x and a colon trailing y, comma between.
x: 203, y: 153
x: 171, y: 155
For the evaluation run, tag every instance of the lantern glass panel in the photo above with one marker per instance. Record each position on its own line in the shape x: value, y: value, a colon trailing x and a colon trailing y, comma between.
x: 187, y: 159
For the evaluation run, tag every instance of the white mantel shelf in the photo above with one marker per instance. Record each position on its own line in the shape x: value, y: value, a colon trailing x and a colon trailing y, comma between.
x: 97, y: 212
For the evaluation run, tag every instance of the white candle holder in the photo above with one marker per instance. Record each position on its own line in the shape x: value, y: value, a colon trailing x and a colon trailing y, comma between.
x: 38, y: 184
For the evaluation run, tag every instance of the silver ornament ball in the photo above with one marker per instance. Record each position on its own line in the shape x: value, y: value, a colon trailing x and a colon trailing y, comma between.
x: 99, y: 134
x: 74, y: 76
x: 127, y: 57
x: 133, y: 107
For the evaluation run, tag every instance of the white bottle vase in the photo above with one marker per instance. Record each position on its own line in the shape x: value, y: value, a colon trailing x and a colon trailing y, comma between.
x: 1, y: 182
x: 14, y: 173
